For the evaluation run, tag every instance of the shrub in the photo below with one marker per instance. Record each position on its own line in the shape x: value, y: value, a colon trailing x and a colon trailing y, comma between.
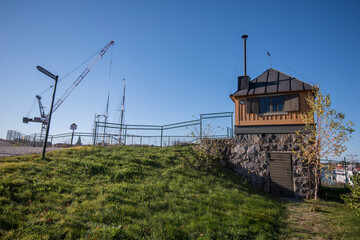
x: 209, y: 152
x: 353, y: 199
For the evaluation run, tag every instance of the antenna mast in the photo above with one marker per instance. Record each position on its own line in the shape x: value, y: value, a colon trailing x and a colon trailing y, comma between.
x: 106, y: 115
x: 122, y: 112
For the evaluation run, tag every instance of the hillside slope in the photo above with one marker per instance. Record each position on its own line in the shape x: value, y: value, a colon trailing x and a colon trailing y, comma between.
x: 130, y: 193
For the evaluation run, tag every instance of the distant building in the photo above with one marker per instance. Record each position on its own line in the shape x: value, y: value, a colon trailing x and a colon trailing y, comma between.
x: 337, y: 174
x: 340, y: 175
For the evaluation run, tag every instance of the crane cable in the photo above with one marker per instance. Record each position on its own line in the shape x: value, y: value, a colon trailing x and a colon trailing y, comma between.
x: 31, y: 108
x: 236, y: 67
x: 69, y: 73
x: 111, y: 56
x: 268, y: 53
x: 47, y: 89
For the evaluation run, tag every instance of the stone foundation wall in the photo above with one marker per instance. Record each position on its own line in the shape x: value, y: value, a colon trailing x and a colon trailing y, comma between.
x: 248, y: 156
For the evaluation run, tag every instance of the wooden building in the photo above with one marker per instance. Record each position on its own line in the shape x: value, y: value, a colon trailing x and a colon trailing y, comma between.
x: 270, y: 103
x: 267, y: 113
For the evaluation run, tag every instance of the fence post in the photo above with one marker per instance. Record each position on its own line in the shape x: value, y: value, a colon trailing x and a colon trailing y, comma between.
x: 52, y: 140
x: 72, y: 137
x: 232, y: 126
x: 140, y: 140
x: 95, y: 133
x: 34, y: 141
x: 200, y: 126
x: 168, y: 140
x: 161, y: 137
x: 125, y: 135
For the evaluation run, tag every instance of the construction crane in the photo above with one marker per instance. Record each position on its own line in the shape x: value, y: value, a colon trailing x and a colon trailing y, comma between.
x: 44, y: 117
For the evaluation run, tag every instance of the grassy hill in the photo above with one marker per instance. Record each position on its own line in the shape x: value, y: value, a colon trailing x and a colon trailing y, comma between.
x: 130, y: 193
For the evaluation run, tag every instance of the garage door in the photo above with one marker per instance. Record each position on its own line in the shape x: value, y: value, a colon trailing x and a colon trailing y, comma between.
x: 280, y: 170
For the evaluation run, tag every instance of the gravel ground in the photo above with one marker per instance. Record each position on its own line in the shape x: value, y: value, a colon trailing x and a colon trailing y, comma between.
x: 7, y: 149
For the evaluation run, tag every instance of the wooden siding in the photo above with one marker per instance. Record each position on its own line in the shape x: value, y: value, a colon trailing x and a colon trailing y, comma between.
x: 280, y: 169
x: 242, y: 118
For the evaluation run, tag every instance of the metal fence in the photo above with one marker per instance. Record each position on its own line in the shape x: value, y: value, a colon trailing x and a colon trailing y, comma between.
x: 106, y: 133
x: 31, y: 140
x: 163, y: 135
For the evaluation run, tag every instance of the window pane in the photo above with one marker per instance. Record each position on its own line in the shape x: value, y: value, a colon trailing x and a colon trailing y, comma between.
x: 277, y: 104
x: 262, y: 105
x: 265, y: 104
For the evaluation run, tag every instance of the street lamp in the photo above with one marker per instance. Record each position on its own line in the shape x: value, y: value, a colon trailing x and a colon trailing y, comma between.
x: 55, y: 77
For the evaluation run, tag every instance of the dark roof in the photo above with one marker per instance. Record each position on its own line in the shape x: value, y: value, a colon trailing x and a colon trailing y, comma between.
x: 273, y: 81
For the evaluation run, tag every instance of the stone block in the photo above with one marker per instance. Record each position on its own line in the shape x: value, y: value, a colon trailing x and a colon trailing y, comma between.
x: 251, y: 150
x: 247, y: 155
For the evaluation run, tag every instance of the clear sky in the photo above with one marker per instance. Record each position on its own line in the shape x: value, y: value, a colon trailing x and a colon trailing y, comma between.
x: 180, y: 58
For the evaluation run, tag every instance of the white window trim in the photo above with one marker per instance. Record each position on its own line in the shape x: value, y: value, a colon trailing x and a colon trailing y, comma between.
x: 272, y: 113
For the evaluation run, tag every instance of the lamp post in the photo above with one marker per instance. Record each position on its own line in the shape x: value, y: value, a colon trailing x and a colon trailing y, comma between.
x: 55, y: 77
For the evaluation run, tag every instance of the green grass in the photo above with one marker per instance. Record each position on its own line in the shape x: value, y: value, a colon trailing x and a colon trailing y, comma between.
x: 130, y: 193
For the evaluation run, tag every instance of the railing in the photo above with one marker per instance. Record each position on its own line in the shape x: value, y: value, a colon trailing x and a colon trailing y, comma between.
x: 105, y: 133
x: 113, y: 131
x: 35, y: 139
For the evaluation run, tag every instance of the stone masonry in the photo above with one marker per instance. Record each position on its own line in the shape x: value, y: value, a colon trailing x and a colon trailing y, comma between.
x: 248, y: 156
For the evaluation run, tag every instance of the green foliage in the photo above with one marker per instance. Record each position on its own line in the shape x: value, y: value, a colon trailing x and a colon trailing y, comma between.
x: 130, y: 193
x: 327, y: 133
x: 208, y: 152
x: 353, y: 199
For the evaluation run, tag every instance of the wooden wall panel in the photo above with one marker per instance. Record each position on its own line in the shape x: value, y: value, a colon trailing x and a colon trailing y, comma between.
x: 237, y: 114
x: 242, y: 118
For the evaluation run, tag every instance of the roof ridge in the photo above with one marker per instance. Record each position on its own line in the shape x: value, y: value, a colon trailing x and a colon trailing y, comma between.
x: 269, y: 83
x: 260, y: 74
x: 289, y: 76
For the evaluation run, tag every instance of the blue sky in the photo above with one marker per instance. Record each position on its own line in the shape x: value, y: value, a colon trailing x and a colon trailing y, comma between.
x: 180, y: 58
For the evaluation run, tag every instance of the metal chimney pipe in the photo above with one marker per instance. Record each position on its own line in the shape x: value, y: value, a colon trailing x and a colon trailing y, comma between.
x: 244, y: 37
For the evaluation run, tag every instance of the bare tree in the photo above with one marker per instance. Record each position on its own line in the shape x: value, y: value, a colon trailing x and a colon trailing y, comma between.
x: 326, y: 133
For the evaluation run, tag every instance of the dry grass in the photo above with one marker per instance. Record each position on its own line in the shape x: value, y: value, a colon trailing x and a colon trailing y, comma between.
x: 322, y: 219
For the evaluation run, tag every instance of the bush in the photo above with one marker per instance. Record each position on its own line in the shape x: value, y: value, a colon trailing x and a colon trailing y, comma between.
x: 353, y: 199
x: 209, y: 152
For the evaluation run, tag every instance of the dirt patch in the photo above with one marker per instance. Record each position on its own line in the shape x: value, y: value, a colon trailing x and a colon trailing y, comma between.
x: 8, y: 149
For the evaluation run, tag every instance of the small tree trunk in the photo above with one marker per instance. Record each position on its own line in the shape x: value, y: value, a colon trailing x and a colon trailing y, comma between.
x: 319, y: 180
x: 316, y: 181
x: 309, y: 183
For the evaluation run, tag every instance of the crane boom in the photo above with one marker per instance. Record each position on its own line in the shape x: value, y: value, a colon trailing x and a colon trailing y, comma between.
x: 81, y: 77
x: 41, y: 107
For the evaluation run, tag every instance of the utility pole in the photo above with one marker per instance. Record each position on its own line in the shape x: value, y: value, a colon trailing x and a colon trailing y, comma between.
x: 346, y: 180
x: 352, y: 157
x: 353, y: 163
x: 122, y: 112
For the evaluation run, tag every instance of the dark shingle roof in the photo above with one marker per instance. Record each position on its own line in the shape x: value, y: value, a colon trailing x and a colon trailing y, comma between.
x: 273, y: 81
